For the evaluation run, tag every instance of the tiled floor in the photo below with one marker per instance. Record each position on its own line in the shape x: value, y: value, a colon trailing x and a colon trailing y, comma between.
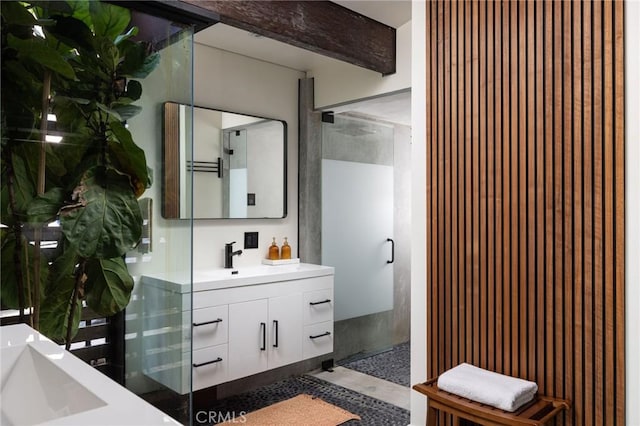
x: 368, y: 385
x: 372, y: 411
x: 392, y: 365
x: 382, y: 400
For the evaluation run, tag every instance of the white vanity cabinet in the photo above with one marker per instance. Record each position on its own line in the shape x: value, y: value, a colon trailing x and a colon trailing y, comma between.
x: 264, y: 334
x: 262, y: 318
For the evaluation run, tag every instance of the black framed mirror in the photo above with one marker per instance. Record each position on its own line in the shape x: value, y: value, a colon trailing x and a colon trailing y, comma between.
x: 236, y: 167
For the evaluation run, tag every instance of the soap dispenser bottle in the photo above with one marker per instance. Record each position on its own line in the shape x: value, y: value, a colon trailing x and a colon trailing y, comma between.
x: 274, y: 252
x: 285, y: 251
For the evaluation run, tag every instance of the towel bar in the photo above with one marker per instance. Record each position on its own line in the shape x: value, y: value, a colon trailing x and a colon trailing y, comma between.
x: 538, y: 412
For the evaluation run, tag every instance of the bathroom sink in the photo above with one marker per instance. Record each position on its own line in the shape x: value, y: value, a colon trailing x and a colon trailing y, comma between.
x: 210, y: 279
x: 29, y: 375
x: 41, y: 383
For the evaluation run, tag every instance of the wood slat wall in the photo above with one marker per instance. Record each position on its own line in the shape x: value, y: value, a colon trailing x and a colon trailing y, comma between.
x: 525, y: 196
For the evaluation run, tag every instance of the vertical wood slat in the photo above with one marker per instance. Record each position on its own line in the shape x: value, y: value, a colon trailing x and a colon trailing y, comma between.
x: 619, y: 384
x: 514, y: 352
x: 455, y: 167
x: 446, y: 181
x: 525, y: 196
x: 467, y: 184
x: 499, y: 202
x: 506, y: 185
x: 481, y: 142
x: 539, y: 148
x: 587, y: 213
x: 578, y: 288
x: 598, y: 238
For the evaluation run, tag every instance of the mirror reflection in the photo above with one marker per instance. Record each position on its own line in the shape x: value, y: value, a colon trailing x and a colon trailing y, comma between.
x: 238, y: 164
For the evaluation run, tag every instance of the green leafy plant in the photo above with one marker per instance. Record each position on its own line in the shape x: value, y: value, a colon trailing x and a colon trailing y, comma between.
x: 78, y: 61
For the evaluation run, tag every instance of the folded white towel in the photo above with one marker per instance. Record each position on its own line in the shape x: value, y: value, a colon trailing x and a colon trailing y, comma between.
x: 500, y: 391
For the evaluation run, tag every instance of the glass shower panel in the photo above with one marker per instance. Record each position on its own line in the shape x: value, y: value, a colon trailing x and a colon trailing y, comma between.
x: 357, y: 218
x: 158, y: 318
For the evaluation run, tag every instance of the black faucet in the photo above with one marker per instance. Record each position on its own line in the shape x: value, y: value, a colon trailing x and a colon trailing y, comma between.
x: 229, y: 253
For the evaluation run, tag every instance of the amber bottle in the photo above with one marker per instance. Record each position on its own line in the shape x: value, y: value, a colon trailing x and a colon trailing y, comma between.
x: 274, y: 252
x: 285, y: 251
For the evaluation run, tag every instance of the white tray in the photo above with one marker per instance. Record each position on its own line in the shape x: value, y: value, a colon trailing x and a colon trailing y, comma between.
x: 280, y: 261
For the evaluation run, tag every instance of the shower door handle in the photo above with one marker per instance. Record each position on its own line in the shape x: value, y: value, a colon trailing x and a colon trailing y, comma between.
x: 393, y: 250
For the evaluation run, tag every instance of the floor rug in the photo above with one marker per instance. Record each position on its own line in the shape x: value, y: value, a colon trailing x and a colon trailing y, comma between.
x: 301, y: 410
x: 372, y: 412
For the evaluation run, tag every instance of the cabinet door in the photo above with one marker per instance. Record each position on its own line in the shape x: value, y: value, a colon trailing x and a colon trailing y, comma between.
x: 285, y: 330
x: 247, y: 338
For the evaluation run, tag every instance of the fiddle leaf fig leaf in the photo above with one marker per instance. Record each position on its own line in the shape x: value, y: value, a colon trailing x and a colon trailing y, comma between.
x: 54, y: 314
x: 126, y: 111
x: 109, y: 111
x: 108, y: 20
x: 73, y: 32
x: 130, y: 156
x: 79, y: 9
x: 134, y: 90
x: 133, y: 31
x: 36, y: 49
x: 134, y: 56
x: 17, y: 14
x: 11, y: 269
x: 44, y: 208
x: 150, y: 63
x: 105, y: 219
x: 23, y: 185
x: 108, y: 286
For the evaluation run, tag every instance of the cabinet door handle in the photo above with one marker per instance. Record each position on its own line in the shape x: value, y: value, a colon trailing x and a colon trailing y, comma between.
x: 326, y: 333
x: 320, y: 303
x: 263, y: 329
x: 393, y: 250
x: 215, y: 321
x: 207, y: 363
x: 275, y: 323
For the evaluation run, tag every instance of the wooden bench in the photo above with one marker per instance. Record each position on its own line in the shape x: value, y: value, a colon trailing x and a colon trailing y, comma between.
x: 539, y: 411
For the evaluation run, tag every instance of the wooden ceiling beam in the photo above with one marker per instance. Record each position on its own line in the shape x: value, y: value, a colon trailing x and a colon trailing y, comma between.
x: 322, y: 27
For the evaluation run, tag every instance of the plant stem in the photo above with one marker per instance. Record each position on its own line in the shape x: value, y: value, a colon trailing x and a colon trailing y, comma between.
x: 17, y: 231
x: 46, y: 93
x: 73, y: 304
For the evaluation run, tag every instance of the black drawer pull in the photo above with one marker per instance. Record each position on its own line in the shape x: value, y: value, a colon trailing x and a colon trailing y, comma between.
x: 326, y: 333
x: 198, y: 324
x: 263, y: 330
x: 207, y: 363
x: 275, y: 323
x: 320, y: 303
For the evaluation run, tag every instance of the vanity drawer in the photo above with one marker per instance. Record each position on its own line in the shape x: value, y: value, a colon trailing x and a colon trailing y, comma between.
x: 210, y: 326
x: 317, y: 339
x: 210, y: 366
x: 318, y: 306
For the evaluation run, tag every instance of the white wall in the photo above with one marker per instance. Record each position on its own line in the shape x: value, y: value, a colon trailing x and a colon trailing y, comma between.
x: 235, y: 83
x: 418, y: 214
x: 632, y: 238
x: 337, y: 82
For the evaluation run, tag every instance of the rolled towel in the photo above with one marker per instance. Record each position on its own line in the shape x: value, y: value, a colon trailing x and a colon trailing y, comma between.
x: 500, y: 391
